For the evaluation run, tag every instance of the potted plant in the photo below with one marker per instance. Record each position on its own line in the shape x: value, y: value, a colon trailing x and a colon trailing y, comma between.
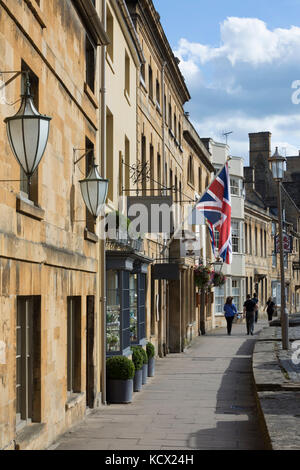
x: 151, y: 361
x: 138, y: 360
x: 145, y: 365
x: 120, y: 373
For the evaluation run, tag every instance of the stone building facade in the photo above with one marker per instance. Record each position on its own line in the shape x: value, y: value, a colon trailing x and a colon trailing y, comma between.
x: 161, y: 95
x: 261, y: 226
x: 48, y: 254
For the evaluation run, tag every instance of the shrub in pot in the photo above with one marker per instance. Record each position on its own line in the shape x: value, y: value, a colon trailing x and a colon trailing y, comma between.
x: 120, y: 373
x: 151, y: 361
x: 145, y: 366
x: 138, y: 360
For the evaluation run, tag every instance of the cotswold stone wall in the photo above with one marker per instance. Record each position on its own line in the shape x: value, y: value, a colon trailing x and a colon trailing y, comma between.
x: 43, y: 251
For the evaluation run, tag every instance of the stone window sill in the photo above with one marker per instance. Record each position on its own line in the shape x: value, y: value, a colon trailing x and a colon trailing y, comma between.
x: 74, y: 400
x: 91, y: 96
x: 36, y: 11
x: 90, y: 236
x: 27, y: 207
x: 27, y: 434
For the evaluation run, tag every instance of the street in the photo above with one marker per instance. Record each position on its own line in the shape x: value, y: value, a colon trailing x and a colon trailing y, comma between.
x: 200, y: 399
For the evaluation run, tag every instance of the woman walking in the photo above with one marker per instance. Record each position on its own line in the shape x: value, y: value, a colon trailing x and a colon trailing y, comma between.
x: 270, y: 308
x: 230, y: 311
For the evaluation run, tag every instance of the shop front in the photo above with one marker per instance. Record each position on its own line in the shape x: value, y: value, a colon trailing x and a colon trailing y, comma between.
x: 126, y: 282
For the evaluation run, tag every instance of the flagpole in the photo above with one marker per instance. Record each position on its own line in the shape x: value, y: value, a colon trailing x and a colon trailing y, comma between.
x: 182, y: 224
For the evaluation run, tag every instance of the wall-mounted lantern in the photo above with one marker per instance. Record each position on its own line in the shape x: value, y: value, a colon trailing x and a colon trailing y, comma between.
x: 94, y: 191
x: 28, y: 133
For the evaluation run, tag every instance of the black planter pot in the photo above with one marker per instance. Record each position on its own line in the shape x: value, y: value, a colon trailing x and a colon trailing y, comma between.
x: 151, y: 367
x: 145, y: 373
x: 138, y: 380
x: 119, y: 391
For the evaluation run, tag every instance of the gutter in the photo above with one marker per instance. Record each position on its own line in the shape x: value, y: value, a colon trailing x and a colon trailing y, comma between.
x: 90, y: 17
x: 102, y: 254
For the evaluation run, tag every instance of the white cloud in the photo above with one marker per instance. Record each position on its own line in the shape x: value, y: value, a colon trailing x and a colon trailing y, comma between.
x: 244, y: 84
x: 242, y: 125
x: 245, y: 40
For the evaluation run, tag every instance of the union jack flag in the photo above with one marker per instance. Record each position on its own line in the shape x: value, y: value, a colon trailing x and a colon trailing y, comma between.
x: 216, y: 206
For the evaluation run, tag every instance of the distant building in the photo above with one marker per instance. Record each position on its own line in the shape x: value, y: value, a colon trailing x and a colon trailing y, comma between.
x: 235, y: 273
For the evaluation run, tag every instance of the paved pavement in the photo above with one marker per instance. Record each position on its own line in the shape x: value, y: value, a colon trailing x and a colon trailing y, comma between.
x: 200, y: 399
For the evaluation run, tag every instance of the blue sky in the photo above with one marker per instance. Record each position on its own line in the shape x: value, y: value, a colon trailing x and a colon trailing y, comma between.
x: 239, y: 60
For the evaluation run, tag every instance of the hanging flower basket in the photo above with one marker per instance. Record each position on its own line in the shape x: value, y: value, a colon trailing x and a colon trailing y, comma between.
x: 218, y: 279
x: 202, y: 276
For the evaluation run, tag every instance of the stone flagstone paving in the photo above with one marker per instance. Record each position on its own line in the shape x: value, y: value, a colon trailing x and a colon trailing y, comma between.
x: 200, y: 399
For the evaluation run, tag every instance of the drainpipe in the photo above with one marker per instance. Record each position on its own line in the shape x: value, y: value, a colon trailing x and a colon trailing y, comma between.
x: 102, y: 266
x: 166, y: 311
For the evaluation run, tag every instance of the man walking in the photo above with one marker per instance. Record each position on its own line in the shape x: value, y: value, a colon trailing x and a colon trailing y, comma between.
x: 249, y: 309
x: 255, y: 299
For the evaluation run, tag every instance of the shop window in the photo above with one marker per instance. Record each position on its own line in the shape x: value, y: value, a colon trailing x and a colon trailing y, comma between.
x: 74, y: 345
x: 28, y: 359
x: 125, y: 324
x: 141, y: 306
x: 113, y: 321
x: 133, y: 305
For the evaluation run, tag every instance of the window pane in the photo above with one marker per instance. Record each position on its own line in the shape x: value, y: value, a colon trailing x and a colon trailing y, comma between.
x: 113, y: 312
x: 235, y: 228
x: 235, y: 186
x: 236, y: 293
x: 133, y: 308
x: 219, y: 299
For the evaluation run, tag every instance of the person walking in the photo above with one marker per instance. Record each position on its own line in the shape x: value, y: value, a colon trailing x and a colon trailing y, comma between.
x: 230, y: 311
x: 255, y: 299
x: 249, y: 309
x: 270, y: 306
